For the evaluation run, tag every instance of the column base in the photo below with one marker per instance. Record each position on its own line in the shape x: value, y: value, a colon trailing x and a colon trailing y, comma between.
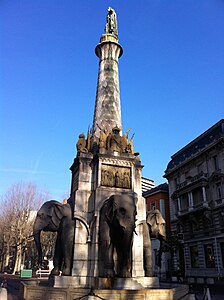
x: 135, y: 283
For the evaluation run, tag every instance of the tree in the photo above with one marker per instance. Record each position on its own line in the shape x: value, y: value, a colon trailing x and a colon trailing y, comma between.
x: 18, y: 207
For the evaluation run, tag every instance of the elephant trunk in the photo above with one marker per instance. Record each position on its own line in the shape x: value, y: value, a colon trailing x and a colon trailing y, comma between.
x: 36, y: 235
x: 160, y: 252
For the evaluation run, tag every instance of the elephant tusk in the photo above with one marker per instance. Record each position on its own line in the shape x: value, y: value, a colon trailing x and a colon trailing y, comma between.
x: 135, y: 232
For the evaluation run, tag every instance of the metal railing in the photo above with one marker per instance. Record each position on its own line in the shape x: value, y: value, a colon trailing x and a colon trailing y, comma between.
x: 41, y: 272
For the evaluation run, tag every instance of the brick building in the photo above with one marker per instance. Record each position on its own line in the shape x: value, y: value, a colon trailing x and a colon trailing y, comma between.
x: 158, y: 198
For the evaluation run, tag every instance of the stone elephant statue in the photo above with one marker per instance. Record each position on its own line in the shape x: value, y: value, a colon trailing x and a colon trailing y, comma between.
x: 154, y: 227
x: 116, y: 227
x: 56, y: 217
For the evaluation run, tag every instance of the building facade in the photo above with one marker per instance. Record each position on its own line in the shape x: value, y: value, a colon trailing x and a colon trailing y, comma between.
x: 196, y: 189
x: 147, y: 184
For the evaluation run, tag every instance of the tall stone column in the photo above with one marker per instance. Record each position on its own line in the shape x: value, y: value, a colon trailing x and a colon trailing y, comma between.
x: 105, y: 165
x: 107, y: 113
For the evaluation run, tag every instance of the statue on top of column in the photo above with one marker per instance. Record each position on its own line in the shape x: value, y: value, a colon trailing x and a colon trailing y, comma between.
x: 111, y: 25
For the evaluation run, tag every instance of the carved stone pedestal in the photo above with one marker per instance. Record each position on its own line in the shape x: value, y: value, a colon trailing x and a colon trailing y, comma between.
x: 93, y: 288
x: 69, y: 281
x: 104, y: 283
x: 49, y: 293
x: 137, y: 283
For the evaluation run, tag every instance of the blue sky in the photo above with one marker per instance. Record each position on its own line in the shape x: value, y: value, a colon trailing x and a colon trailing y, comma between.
x: 171, y: 81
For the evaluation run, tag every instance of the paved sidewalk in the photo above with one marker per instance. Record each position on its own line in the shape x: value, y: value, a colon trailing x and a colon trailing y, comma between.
x: 13, y: 286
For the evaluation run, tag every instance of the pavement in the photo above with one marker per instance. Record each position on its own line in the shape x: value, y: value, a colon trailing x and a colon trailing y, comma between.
x: 216, y: 291
x: 199, y: 290
x: 13, y: 286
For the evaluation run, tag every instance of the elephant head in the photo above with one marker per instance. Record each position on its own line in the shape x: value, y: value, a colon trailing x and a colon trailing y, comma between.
x: 153, y: 227
x: 49, y: 218
x: 121, y: 212
x: 156, y: 224
x: 117, y: 224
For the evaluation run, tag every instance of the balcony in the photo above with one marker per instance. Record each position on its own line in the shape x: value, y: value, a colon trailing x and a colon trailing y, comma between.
x: 183, y: 212
x: 200, y: 205
x: 201, y: 272
x: 219, y: 202
x: 200, y: 176
x: 191, y: 180
x: 196, y: 207
x: 216, y: 175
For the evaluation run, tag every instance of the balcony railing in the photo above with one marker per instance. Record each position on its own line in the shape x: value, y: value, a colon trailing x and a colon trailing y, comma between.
x: 219, y: 201
x: 200, y: 205
x: 190, y: 180
x: 195, y: 207
x: 201, y: 272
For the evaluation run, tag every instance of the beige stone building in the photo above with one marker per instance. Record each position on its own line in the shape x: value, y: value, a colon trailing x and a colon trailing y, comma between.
x: 196, y: 190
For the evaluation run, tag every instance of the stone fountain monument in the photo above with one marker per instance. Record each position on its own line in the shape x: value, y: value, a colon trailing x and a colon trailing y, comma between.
x: 110, y: 232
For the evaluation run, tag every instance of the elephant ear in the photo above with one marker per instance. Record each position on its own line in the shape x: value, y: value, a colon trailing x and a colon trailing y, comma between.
x: 111, y: 207
x: 152, y: 222
x: 151, y: 218
x: 159, y: 218
x: 155, y: 217
x: 56, y: 212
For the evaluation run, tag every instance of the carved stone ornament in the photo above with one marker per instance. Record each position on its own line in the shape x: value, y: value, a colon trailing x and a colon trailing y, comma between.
x: 115, y: 162
x: 81, y: 144
x: 114, y: 142
x: 111, y: 25
x: 114, y: 176
x: 109, y: 140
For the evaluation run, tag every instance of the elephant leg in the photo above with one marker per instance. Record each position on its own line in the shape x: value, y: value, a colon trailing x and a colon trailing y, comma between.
x: 124, y: 263
x: 67, y: 237
x: 57, y: 257
x: 147, y: 251
x: 107, y: 250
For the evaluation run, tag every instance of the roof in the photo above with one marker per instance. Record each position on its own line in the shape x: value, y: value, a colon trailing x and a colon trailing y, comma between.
x: 202, y: 142
x: 160, y: 188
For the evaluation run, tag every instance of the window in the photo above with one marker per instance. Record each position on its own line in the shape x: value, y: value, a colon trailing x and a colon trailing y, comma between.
x: 207, y: 219
x: 199, y: 167
x: 176, y: 205
x: 153, y: 206
x: 184, y: 202
x: 175, y: 183
x: 218, y: 190
x: 209, y: 256
x: 222, y: 253
x: 197, y: 196
x: 221, y: 218
x: 216, y: 162
x: 194, y: 257
x: 180, y: 228
x: 194, y: 225
x: 187, y: 174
